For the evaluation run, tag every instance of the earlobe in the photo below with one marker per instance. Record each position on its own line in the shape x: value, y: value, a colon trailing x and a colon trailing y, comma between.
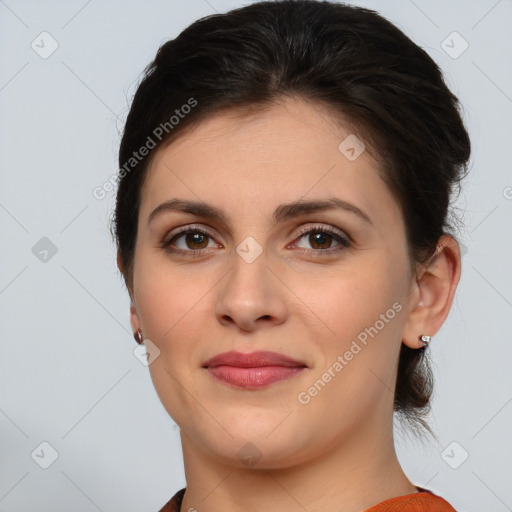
x: 435, y: 291
x: 136, y: 325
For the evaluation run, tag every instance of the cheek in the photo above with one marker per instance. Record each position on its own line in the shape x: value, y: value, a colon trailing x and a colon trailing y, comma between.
x: 169, y: 299
x: 173, y: 325
x: 356, y: 367
x: 351, y: 299
x: 174, y: 302
x: 172, y: 318
x: 360, y: 320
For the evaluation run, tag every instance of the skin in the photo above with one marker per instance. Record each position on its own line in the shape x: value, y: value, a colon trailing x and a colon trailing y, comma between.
x: 337, y: 451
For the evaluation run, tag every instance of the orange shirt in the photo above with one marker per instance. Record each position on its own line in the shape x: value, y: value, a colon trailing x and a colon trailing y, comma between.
x: 423, y: 501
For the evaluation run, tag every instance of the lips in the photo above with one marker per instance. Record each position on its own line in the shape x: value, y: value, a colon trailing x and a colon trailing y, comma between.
x: 254, y: 370
x: 252, y: 360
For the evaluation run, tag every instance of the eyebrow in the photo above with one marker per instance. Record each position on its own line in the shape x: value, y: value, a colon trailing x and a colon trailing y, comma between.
x: 282, y: 212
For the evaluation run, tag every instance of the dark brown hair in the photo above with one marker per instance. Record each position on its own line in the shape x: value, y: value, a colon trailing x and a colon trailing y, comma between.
x: 350, y: 59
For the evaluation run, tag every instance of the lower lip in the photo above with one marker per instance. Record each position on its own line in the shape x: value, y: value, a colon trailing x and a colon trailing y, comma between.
x: 253, y: 378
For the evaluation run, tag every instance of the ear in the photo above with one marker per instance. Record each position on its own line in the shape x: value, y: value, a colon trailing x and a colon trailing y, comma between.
x: 433, y: 293
x: 134, y: 317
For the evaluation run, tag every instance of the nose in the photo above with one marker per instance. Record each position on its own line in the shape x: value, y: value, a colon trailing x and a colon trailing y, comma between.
x: 251, y: 296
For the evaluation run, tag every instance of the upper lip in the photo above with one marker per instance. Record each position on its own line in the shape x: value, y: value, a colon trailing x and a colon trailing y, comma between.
x: 252, y: 360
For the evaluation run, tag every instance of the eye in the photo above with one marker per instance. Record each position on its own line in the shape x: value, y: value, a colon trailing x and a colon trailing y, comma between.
x: 321, y: 238
x: 189, y: 240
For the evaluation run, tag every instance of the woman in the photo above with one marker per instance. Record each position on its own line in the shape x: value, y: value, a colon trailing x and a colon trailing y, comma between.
x: 282, y: 229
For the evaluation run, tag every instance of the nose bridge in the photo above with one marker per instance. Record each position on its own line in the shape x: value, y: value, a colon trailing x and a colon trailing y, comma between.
x: 250, y: 290
x: 248, y: 278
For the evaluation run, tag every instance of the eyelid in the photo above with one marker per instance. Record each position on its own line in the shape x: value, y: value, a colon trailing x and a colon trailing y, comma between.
x: 323, y: 227
x: 187, y: 228
x: 344, y: 239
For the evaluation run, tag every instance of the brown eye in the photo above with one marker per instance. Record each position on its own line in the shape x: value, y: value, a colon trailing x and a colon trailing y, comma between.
x: 196, y: 240
x: 319, y: 240
x: 189, y: 241
x: 322, y: 239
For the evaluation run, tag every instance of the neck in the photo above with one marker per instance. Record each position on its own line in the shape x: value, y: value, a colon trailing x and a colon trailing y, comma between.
x: 348, y: 476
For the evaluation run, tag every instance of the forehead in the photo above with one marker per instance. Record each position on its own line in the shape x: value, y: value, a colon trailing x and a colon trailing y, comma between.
x: 241, y: 161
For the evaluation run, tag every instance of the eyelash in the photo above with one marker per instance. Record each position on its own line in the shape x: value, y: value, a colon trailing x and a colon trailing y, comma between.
x: 344, y: 242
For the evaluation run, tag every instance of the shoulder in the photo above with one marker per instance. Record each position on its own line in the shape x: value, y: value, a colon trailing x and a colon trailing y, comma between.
x: 174, y: 504
x: 423, y: 501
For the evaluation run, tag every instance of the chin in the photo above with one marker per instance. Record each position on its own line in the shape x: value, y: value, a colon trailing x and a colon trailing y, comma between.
x: 254, y: 444
x: 257, y: 453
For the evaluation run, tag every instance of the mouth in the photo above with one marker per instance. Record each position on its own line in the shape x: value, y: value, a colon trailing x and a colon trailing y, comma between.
x: 253, y: 370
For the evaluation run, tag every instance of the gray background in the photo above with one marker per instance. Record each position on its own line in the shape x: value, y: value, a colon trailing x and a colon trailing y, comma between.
x: 68, y: 373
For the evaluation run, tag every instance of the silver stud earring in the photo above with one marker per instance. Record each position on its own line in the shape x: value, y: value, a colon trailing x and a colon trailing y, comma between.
x: 425, y: 339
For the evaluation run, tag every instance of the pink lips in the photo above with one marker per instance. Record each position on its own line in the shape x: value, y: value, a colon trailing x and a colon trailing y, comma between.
x: 254, y: 370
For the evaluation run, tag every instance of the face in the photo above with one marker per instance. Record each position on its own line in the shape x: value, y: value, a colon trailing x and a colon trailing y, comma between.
x: 325, y: 285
